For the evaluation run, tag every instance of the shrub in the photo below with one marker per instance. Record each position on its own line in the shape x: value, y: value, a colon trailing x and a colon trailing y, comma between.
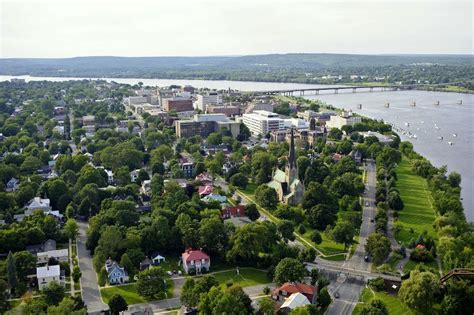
x: 377, y: 284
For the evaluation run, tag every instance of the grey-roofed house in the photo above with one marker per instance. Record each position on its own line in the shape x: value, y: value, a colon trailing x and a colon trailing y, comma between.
x: 115, y: 273
x: 48, y: 274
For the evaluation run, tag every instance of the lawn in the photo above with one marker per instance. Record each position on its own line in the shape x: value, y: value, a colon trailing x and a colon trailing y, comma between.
x: 393, y: 304
x: 410, y: 265
x: 130, y: 294
x: 418, y: 213
x: 248, y: 277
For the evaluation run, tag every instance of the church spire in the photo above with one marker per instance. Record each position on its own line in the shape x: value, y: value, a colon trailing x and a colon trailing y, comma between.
x: 291, y: 156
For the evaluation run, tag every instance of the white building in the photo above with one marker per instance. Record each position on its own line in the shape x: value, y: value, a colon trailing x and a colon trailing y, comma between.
x: 37, y: 203
x: 211, y: 98
x: 48, y: 274
x: 293, y: 301
x: 261, y: 122
x: 134, y: 100
x: 345, y: 119
x: 61, y: 255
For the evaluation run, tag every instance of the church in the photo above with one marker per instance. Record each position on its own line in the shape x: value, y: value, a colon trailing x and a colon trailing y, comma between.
x: 287, y: 185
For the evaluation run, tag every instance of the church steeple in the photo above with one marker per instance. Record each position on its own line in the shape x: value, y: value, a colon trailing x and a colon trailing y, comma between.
x: 292, y: 155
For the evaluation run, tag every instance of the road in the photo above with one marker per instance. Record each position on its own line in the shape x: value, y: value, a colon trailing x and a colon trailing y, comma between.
x: 367, y: 227
x: 90, y: 288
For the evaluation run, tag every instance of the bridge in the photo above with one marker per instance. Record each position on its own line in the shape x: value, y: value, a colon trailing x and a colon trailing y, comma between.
x: 351, y: 271
x: 335, y: 89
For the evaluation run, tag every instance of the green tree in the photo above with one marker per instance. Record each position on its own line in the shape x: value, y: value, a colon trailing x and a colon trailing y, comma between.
x: 213, y: 235
x: 266, y: 197
x: 266, y: 306
x: 289, y: 270
x: 71, y: 228
x: 117, y: 304
x: 53, y: 293
x: 324, y: 299
x: 375, y: 307
x: 4, y: 303
x: 11, y: 271
x: 151, y: 282
x: 25, y: 264
x: 343, y: 233
x: 316, y: 237
x: 239, y: 180
x: 378, y: 246
x: 286, y: 229
x: 252, y: 212
x: 76, y: 274
x: 419, y: 291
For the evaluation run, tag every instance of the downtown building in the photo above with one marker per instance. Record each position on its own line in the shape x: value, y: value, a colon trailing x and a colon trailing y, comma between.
x: 205, y: 124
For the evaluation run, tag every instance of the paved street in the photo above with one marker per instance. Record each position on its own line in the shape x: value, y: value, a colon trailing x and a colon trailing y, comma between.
x: 90, y: 288
x: 367, y: 227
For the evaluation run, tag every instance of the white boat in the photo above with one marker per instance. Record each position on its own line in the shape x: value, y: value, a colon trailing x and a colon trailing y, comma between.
x: 415, y: 136
x: 407, y: 124
x: 455, y: 135
x: 450, y: 143
x: 440, y: 138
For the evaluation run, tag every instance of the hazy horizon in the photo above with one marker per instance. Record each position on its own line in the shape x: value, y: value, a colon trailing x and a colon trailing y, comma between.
x: 126, y: 28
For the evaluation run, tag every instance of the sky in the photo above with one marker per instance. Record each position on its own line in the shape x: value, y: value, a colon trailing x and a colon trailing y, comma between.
x: 70, y: 28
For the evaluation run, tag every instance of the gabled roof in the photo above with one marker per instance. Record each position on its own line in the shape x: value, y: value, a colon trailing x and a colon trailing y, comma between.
x: 192, y: 254
x: 205, y: 190
x: 295, y: 300
x: 297, y: 288
x: 48, y: 271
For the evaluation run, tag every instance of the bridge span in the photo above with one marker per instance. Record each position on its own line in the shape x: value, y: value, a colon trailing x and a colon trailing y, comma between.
x: 335, y: 89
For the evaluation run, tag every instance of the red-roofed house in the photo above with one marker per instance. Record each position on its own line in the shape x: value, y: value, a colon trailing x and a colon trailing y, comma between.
x: 205, y: 190
x: 231, y: 212
x: 194, y: 261
x: 205, y: 179
x: 288, y: 288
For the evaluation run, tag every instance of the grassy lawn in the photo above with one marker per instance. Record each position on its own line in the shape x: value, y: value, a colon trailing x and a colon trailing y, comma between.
x: 340, y: 257
x: 394, y: 306
x: 418, y: 213
x: 171, y: 263
x: 130, y: 294
x: 410, y: 265
x: 248, y: 277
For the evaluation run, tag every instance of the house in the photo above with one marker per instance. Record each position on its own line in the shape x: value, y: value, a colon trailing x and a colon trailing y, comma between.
x: 205, y: 190
x: 134, y: 175
x: 48, y: 274
x: 195, y: 261
x: 215, y: 197
x: 48, y: 245
x: 145, y: 189
x: 187, y: 166
x: 157, y: 259
x: 115, y: 273
x: 289, y: 288
x: 356, y: 156
x: 205, y: 179
x: 146, y: 263
x: 60, y: 255
x: 232, y: 212
x: 295, y: 300
x: 37, y: 203
x: 13, y: 185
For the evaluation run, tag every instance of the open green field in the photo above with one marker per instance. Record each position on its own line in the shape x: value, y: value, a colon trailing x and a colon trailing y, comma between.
x: 393, y: 304
x: 248, y: 277
x: 130, y: 294
x: 418, y: 213
x: 431, y: 266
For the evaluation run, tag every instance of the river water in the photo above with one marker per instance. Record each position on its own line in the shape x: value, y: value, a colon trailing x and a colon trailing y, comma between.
x: 444, y: 132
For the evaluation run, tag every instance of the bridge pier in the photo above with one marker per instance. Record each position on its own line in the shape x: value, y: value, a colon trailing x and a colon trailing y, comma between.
x: 371, y: 89
x: 336, y: 91
x: 317, y: 92
x: 354, y: 90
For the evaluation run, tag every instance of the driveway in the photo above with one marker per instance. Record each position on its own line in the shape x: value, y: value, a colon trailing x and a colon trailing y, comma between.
x: 90, y: 288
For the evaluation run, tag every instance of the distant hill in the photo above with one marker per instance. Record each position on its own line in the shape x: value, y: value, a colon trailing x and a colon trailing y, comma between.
x: 273, y: 67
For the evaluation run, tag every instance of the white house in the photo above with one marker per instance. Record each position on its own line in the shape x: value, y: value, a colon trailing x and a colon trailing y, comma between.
x: 134, y: 175
x: 48, y: 274
x: 38, y: 203
x: 61, y: 255
x: 13, y: 185
x: 194, y: 261
x: 295, y: 300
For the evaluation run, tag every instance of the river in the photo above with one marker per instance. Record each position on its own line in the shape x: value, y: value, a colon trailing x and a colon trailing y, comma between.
x: 436, y: 126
